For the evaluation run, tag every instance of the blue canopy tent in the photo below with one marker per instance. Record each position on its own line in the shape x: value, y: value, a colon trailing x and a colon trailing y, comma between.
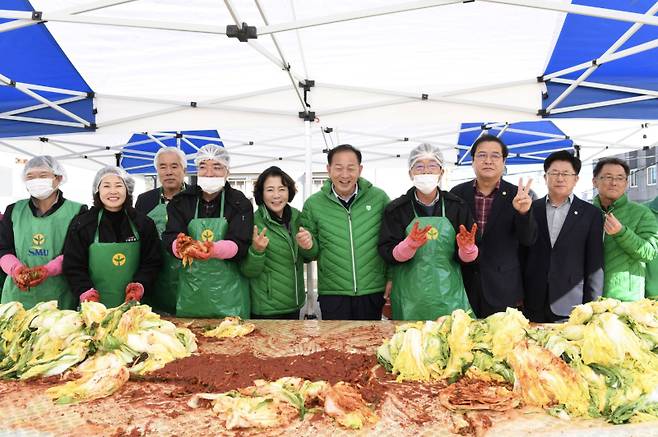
x: 137, y: 155
x: 528, y: 142
x: 603, y: 68
x: 41, y: 92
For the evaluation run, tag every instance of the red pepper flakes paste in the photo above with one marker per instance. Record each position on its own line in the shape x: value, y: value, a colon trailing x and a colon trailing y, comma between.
x: 218, y: 373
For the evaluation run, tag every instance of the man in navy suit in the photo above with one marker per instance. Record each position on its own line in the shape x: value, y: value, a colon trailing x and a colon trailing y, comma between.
x: 564, y: 267
x: 505, y: 223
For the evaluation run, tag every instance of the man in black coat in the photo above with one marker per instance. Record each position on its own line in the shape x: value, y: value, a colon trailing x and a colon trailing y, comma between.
x: 505, y: 223
x: 564, y: 267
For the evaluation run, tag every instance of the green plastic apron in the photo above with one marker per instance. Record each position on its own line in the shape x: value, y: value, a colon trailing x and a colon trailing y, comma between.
x: 39, y: 240
x: 112, y: 266
x: 163, y: 296
x: 215, y: 287
x: 430, y: 284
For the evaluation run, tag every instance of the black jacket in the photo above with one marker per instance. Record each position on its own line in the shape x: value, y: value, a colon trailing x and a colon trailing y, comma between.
x: 7, y: 244
x: 569, y: 273
x: 496, y: 276
x: 399, y: 213
x: 81, y: 235
x: 148, y: 200
x: 238, y: 211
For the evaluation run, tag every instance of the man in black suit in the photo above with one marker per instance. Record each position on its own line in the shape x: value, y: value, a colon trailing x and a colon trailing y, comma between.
x: 564, y: 267
x: 505, y: 223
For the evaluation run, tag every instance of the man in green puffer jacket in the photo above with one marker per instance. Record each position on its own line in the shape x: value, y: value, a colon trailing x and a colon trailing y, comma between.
x: 651, y: 284
x: 630, y: 232
x: 344, y: 220
x: 274, y: 266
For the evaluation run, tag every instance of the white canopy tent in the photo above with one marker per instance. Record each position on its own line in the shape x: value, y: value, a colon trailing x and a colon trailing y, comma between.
x: 384, y: 74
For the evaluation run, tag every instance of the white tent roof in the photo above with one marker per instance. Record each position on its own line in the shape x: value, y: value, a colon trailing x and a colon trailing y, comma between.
x: 474, y: 61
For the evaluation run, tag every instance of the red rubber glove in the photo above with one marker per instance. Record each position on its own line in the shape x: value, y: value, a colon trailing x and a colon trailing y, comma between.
x: 134, y: 291
x: 466, y: 239
x: 417, y: 237
x: 90, y: 295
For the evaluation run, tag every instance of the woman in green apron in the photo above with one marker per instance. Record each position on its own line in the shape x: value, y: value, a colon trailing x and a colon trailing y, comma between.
x: 221, y: 218
x: 32, y: 235
x: 112, y: 253
x: 170, y: 164
x: 424, y: 237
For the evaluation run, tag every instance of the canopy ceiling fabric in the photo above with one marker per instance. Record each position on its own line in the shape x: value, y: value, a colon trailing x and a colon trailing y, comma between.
x: 386, y: 74
x: 31, y: 59
x: 593, y: 41
x: 527, y: 142
x: 137, y: 155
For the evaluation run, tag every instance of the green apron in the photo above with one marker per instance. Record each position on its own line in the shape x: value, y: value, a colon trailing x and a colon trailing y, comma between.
x: 214, y: 287
x: 39, y: 240
x: 112, y: 266
x: 430, y: 284
x: 163, y: 296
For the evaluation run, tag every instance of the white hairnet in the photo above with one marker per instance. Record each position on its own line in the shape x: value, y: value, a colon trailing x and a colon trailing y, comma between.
x: 128, y: 180
x: 179, y: 153
x: 45, y: 161
x: 212, y: 152
x: 425, y: 151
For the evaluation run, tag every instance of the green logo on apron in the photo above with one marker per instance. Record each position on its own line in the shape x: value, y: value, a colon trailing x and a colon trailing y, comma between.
x: 207, y: 235
x: 119, y: 259
x: 433, y: 233
x: 38, y: 239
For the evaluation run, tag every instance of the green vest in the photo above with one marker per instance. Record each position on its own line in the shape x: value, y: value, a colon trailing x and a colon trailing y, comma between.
x: 112, y: 266
x: 164, y: 295
x: 39, y: 240
x: 430, y: 284
x: 276, y: 276
x: 214, y: 287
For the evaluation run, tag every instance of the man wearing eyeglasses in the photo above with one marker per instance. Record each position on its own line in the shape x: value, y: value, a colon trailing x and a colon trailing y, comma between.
x: 425, y: 235
x: 564, y: 267
x: 631, y: 232
x: 505, y: 222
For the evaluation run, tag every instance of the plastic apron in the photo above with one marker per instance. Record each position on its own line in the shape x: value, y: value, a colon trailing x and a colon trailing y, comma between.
x: 215, y: 287
x: 164, y: 295
x: 430, y: 284
x: 112, y: 266
x: 39, y: 240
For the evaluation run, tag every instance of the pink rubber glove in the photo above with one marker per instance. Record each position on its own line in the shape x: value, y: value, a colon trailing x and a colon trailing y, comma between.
x: 223, y: 249
x: 54, y: 266
x: 134, y: 291
x: 405, y: 250
x: 174, y: 249
x: 9, y: 263
x: 468, y: 253
x: 90, y: 295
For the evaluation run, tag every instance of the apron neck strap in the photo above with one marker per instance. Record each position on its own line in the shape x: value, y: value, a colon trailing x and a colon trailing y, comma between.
x: 98, y: 223
x: 221, y: 206
x: 443, y: 209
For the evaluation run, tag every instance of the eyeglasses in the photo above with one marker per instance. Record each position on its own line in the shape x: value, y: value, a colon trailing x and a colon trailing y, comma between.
x: 608, y: 179
x: 560, y: 174
x: 422, y: 167
x: 483, y: 156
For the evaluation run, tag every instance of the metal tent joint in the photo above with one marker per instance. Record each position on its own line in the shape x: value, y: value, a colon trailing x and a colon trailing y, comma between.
x: 243, y: 34
x: 36, y: 15
x: 307, y: 115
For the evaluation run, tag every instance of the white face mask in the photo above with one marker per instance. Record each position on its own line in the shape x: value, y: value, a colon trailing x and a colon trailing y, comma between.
x: 211, y: 185
x: 426, y: 183
x: 40, y: 188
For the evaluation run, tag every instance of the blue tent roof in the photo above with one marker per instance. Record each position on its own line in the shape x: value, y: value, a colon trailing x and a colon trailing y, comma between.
x: 137, y: 155
x: 584, y: 39
x: 528, y: 142
x: 31, y: 55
